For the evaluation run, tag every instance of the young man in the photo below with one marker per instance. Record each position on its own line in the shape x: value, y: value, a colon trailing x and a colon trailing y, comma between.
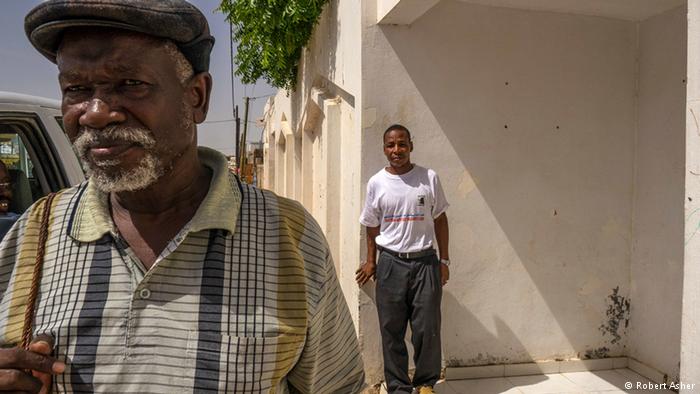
x: 404, y: 210
x: 163, y: 273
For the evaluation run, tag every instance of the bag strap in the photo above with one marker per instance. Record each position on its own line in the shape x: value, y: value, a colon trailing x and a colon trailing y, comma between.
x: 36, y: 275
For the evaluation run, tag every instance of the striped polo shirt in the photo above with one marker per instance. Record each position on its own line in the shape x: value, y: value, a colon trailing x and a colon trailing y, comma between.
x: 244, y: 299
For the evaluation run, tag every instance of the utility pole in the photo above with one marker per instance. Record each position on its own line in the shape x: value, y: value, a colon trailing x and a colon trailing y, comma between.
x: 233, y: 95
x: 243, y: 137
x: 238, y: 136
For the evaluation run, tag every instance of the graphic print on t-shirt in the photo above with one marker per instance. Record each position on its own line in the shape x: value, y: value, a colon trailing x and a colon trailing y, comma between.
x: 403, y: 207
x: 409, y: 217
x: 404, y: 218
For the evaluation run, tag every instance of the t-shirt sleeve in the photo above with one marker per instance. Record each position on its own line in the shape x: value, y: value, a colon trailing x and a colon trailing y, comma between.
x: 371, y: 214
x: 440, y: 204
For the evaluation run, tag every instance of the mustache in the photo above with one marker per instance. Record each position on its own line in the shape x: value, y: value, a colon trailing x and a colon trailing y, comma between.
x: 90, y: 137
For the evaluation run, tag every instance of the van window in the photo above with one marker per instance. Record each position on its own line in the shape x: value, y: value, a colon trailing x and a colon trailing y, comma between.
x: 26, y: 187
x: 28, y: 155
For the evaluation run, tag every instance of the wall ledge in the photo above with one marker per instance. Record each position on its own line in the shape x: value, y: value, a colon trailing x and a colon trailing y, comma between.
x: 553, y: 367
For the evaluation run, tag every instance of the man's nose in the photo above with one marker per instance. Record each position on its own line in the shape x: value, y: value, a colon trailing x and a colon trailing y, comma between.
x: 99, y: 114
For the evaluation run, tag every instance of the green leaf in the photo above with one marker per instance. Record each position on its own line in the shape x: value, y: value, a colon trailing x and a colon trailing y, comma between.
x: 270, y: 35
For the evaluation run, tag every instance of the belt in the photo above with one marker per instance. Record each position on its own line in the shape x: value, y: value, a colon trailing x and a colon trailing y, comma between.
x: 409, y: 255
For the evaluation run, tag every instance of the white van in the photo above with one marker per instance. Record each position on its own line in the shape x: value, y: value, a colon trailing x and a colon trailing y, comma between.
x: 36, y: 151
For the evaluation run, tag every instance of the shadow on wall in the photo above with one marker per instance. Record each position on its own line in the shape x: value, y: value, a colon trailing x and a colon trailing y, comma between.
x: 539, y: 108
x: 468, y: 329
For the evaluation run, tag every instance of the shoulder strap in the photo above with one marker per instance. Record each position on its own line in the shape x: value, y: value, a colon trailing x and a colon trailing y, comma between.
x: 36, y: 275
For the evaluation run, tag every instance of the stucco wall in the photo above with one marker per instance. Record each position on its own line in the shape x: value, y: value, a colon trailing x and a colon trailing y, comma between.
x: 317, y: 158
x: 529, y: 119
x: 558, y: 140
x: 331, y: 64
x: 690, y: 337
x: 657, y: 254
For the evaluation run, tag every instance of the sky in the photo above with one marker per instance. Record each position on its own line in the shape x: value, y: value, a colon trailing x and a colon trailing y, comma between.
x: 24, y: 70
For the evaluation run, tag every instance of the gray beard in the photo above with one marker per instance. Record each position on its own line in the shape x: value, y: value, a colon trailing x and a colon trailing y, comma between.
x: 106, y: 174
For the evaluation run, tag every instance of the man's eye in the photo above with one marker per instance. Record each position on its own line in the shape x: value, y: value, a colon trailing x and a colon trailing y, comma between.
x: 75, y: 88
x: 132, y: 82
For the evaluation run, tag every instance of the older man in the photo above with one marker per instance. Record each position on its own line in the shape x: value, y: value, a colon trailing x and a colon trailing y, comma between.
x: 163, y: 273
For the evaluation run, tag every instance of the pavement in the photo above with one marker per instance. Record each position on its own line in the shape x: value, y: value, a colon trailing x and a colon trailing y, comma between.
x: 608, y: 381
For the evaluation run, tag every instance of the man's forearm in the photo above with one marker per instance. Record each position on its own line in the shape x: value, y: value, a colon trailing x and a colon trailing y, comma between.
x: 372, y: 233
x: 442, y: 234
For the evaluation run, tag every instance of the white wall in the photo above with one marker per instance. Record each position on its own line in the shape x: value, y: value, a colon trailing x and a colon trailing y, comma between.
x: 320, y: 165
x: 564, y: 184
x: 657, y: 255
x: 331, y: 65
x: 690, y: 337
x: 529, y: 119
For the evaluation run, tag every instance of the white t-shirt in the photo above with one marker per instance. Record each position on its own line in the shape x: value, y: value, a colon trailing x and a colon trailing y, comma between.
x: 404, y: 207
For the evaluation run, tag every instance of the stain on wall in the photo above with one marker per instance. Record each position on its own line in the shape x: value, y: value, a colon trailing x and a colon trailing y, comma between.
x: 618, y: 316
x: 601, y: 352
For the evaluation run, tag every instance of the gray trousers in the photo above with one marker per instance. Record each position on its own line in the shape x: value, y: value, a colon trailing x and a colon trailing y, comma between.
x: 409, y: 291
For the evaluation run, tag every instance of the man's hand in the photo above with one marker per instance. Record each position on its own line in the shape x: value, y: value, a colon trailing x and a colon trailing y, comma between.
x: 444, y: 274
x: 365, y: 272
x: 14, y: 362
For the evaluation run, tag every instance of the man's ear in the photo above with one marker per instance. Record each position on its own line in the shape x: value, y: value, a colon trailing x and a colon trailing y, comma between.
x: 198, y: 92
x: 411, y: 143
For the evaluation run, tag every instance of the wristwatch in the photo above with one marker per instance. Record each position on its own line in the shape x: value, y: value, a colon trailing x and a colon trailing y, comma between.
x: 445, y: 261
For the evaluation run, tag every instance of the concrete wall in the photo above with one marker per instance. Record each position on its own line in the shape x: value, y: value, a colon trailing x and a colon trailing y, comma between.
x: 657, y: 254
x: 312, y: 135
x: 690, y: 337
x: 529, y: 119
x: 558, y: 140
x: 331, y: 77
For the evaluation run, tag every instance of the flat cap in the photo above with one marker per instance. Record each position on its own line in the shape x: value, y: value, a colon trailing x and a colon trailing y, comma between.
x: 176, y: 20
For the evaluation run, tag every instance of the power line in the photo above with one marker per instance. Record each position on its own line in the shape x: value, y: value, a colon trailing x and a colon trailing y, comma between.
x: 231, y: 120
x: 219, y: 121
x: 267, y: 95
